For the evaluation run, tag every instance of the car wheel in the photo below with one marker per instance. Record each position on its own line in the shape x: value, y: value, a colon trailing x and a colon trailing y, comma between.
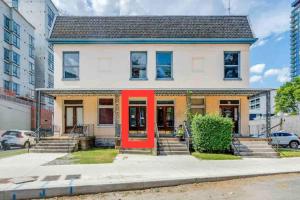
x: 27, y: 145
x: 294, y: 145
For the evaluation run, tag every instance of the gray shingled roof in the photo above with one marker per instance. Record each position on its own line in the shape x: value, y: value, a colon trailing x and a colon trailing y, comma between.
x: 151, y: 27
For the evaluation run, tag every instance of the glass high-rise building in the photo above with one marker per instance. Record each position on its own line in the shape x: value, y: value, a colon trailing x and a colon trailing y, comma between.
x: 295, y: 39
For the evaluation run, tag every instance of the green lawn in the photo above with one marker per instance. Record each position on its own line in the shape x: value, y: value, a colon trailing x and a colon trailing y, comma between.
x: 287, y: 153
x: 94, y: 156
x: 5, y: 154
x: 214, y: 156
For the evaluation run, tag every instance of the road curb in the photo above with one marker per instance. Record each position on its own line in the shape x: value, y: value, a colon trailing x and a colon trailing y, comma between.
x: 70, y: 190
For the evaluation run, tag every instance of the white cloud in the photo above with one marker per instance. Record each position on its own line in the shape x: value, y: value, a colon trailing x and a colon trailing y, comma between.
x: 256, y: 78
x: 282, y: 75
x: 258, y: 68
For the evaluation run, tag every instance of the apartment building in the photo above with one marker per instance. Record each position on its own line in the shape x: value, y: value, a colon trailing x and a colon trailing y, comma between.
x: 129, y: 76
x: 257, y: 105
x: 295, y: 39
x: 17, y: 71
x: 41, y: 13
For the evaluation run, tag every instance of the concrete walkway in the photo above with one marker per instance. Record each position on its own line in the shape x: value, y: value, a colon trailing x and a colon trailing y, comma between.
x: 127, y: 172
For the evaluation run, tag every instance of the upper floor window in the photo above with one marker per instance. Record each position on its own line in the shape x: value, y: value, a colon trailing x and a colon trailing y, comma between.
x: 7, y: 68
x: 51, y: 16
x: 6, y: 23
x: 16, y: 28
x: 15, y: 4
x: 71, y: 65
x: 138, y: 62
x: 16, y: 58
x: 31, y: 73
x: 16, y: 41
x: 50, y: 61
x: 16, y: 71
x: 164, y: 65
x: 7, y: 55
x: 6, y: 85
x: 231, y: 65
x: 31, y: 46
x: 7, y: 36
x: 50, y: 81
x: 16, y: 88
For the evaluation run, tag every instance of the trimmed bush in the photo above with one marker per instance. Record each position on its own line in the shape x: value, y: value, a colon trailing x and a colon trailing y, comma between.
x: 211, y: 133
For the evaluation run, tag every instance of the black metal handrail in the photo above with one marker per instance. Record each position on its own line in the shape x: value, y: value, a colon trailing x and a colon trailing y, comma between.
x: 187, y: 135
x: 157, y: 139
x: 236, y: 143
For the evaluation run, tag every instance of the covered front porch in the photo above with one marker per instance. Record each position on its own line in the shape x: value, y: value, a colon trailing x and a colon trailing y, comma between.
x: 108, y: 116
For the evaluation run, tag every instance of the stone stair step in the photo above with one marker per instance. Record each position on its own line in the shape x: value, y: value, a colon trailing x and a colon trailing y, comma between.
x: 54, y: 147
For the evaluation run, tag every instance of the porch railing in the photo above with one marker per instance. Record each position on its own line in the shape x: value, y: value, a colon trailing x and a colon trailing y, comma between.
x: 187, y: 135
x: 236, y: 143
x: 156, y: 142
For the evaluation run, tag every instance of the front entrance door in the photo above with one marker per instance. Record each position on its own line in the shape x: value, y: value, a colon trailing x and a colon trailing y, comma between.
x: 137, y: 119
x: 231, y: 112
x: 73, y: 116
x: 165, y: 119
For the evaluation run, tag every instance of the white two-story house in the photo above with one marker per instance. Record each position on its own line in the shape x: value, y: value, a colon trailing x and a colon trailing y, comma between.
x: 132, y: 75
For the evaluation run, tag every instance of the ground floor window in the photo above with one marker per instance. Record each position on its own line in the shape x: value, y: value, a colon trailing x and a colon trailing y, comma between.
x: 106, y: 111
x: 198, y: 105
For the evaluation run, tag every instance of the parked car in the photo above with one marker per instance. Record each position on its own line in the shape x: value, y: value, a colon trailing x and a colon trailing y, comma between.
x: 19, y: 138
x: 285, y: 139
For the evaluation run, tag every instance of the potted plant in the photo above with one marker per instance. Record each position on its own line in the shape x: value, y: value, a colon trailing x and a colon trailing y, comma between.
x: 180, y: 132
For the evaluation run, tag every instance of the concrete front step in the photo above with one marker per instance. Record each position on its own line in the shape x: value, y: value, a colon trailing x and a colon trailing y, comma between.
x: 136, y: 151
x: 174, y: 153
x: 54, y: 147
x: 257, y: 150
x: 56, y: 144
x: 56, y: 141
x: 51, y: 150
x: 172, y: 148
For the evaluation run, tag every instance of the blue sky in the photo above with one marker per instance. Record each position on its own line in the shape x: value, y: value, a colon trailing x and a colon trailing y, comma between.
x: 270, y: 20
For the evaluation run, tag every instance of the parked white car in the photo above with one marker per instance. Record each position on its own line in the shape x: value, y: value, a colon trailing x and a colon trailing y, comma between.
x: 19, y: 138
x: 285, y: 139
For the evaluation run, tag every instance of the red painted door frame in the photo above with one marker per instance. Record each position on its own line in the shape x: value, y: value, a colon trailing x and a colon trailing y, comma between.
x: 129, y: 143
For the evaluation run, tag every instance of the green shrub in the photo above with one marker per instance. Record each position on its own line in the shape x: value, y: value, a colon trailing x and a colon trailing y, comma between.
x: 211, y: 133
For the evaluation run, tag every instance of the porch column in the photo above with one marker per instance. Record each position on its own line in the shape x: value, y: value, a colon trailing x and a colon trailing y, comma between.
x: 117, y: 116
x: 268, y: 113
x: 38, y: 112
x: 188, y: 106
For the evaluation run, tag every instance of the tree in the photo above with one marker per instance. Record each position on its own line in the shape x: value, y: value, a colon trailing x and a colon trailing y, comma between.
x: 288, y: 97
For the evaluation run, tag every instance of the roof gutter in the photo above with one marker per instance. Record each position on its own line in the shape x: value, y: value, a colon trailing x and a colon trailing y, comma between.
x: 154, y: 41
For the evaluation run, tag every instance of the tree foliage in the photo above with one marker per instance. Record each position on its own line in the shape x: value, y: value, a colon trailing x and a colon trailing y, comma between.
x: 288, y: 97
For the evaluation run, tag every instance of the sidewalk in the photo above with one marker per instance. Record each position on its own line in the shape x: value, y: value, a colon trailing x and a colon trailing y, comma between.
x: 127, y: 172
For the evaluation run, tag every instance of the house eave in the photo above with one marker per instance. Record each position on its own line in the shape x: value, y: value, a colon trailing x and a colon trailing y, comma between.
x: 160, y: 92
x: 153, y: 41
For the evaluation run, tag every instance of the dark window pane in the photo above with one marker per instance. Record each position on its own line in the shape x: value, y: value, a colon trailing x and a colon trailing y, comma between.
x: 138, y: 65
x: 138, y: 58
x: 71, y: 59
x: 106, y: 116
x: 106, y: 102
x: 73, y: 101
x: 231, y: 58
x: 164, y: 65
x: 164, y: 72
x: 71, y: 72
x: 137, y: 102
x: 164, y: 58
x: 231, y: 72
